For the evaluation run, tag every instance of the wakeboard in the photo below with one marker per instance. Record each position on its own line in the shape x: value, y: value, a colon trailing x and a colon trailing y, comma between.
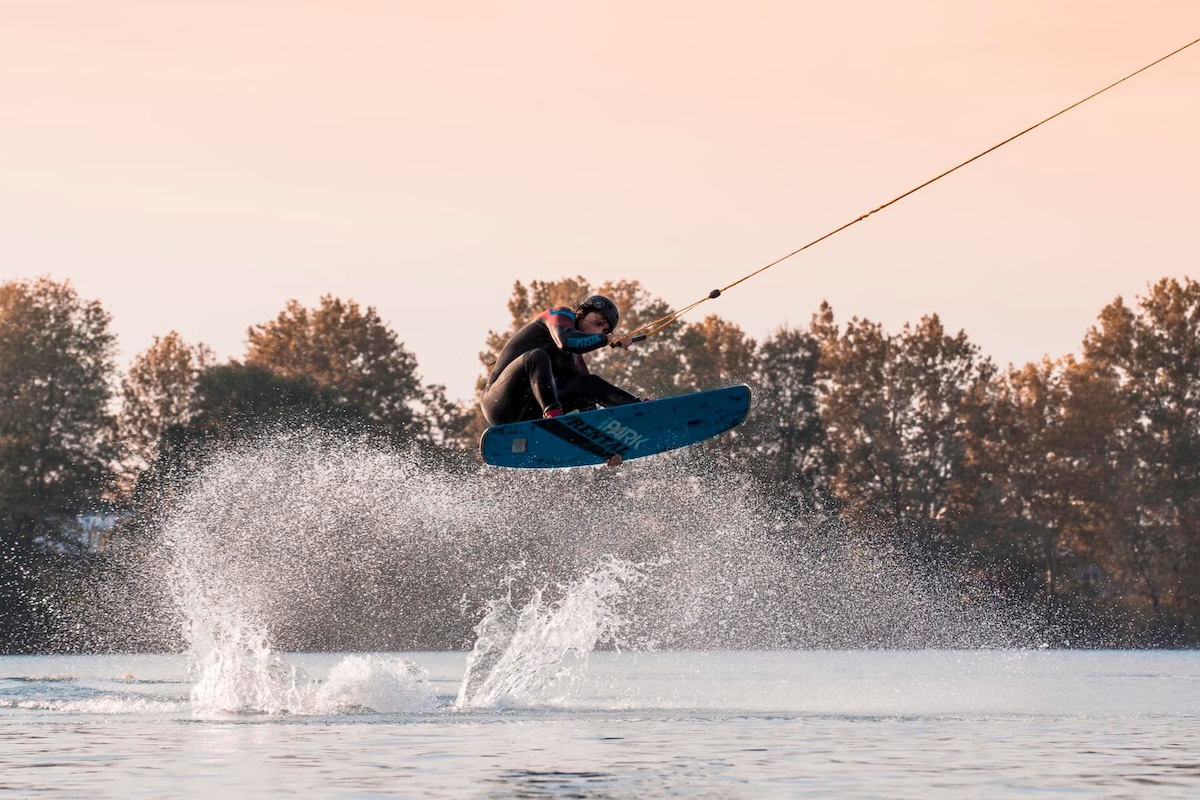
x: 633, y: 431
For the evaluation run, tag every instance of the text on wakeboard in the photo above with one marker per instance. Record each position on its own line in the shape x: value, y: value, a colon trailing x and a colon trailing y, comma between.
x: 612, y: 436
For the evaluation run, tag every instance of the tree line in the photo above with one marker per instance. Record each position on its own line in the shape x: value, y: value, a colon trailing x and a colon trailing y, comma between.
x: 1070, y: 483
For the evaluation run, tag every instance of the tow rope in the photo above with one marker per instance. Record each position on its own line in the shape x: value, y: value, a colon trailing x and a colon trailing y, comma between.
x: 657, y: 325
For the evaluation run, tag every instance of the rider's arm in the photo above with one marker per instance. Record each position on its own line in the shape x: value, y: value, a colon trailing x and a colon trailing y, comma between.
x: 561, y: 323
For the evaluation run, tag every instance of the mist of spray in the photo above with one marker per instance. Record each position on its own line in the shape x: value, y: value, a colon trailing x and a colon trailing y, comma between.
x: 315, y: 542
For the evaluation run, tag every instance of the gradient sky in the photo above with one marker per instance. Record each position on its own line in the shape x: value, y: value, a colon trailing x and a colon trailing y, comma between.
x: 196, y: 165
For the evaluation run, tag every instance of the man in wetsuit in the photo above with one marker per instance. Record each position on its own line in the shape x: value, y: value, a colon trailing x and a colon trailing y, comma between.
x: 540, y: 371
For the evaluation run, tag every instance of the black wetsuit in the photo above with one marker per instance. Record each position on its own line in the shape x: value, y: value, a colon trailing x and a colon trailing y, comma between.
x: 541, y: 367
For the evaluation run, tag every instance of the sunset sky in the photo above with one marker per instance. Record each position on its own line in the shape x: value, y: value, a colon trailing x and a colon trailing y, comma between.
x: 194, y: 165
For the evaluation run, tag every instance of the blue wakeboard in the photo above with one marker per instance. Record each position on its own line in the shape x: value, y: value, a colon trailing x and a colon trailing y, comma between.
x: 633, y: 431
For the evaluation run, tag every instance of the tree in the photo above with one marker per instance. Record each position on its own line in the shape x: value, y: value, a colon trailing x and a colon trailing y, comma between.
x: 1153, y: 356
x: 713, y: 353
x: 56, y: 432
x: 894, y: 411
x: 447, y: 424
x: 157, y: 393
x: 235, y: 401
x: 235, y: 404
x: 345, y: 350
x: 785, y: 444
x: 56, y: 437
x: 1037, y: 472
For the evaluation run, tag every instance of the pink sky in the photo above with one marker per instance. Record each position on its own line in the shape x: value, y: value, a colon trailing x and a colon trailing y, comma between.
x: 196, y: 167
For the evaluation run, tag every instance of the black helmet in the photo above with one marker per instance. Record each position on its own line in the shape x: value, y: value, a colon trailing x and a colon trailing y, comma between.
x: 599, y: 302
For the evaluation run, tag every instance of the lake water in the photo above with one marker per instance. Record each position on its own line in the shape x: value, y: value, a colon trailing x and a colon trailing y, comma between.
x: 612, y: 724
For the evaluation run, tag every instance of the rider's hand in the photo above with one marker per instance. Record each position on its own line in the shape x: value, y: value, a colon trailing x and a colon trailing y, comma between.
x: 623, y: 344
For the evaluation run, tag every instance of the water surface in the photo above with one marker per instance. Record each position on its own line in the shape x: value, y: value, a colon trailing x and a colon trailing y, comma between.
x: 646, y: 724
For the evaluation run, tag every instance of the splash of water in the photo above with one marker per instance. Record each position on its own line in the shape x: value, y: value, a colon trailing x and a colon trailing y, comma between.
x: 324, y: 544
x: 236, y: 672
x: 375, y: 684
x: 518, y: 655
x: 110, y: 704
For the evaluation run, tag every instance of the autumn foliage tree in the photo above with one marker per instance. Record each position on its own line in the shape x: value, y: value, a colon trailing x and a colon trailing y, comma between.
x: 157, y: 393
x: 785, y: 445
x: 234, y: 405
x: 56, y: 439
x: 350, y: 352
x: 895, y: 410
x: 1073, y: 483
x: 1152, y: 356
x: 56, y: 427
x: 1038, y: 472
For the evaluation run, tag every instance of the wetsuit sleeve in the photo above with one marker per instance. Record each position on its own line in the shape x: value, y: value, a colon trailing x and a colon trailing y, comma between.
x: 561, y: 323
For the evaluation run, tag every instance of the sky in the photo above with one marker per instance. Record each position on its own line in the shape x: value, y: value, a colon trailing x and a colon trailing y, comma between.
x: 196, y: 165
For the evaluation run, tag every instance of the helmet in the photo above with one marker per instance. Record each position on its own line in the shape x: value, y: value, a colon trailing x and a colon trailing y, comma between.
x: 599, y: 302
